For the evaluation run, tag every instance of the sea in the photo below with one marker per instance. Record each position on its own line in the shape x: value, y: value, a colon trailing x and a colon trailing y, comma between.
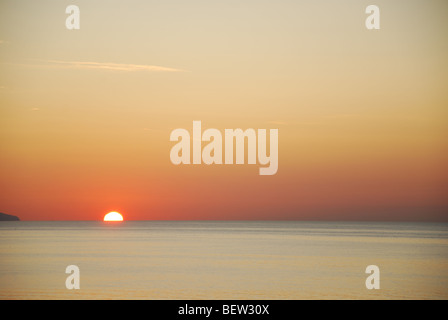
x: 275, y: 260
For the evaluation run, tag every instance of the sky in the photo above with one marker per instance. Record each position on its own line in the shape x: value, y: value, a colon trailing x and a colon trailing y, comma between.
x: 86, y: 115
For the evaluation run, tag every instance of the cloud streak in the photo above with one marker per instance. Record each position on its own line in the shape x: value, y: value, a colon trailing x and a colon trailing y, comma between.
x: 278, y: 122
x: 100, y: 66
x: 109, y: 66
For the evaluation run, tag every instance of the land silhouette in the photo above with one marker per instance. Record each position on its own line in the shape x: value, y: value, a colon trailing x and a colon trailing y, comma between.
x: 8, y: 217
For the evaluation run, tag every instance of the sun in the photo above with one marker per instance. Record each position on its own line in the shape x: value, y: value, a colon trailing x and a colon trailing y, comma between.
x: 113, y: 216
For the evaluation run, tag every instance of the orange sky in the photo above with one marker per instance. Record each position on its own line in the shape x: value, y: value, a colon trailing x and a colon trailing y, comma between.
x: 86, y: 115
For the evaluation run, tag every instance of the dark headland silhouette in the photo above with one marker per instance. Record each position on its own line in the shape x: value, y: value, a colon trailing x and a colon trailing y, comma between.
x: 8, y: 217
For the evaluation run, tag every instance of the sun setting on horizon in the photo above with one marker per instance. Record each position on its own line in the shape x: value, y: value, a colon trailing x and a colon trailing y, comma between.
x: 113, y: 216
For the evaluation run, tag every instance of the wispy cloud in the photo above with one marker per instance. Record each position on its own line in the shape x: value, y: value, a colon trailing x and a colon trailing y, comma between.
x: 95, y: 66
x: 278, y: 123
x: 108, y: 66
x: 342, y: 115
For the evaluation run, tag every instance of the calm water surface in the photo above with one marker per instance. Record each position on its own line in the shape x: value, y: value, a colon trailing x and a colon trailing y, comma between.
x: 223, y: 260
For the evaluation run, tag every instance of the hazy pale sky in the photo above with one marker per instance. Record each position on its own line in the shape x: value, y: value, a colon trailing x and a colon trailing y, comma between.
x: 86, y: 115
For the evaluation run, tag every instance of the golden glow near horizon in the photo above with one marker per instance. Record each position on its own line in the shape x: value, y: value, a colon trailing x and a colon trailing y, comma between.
x: 113, y: 216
